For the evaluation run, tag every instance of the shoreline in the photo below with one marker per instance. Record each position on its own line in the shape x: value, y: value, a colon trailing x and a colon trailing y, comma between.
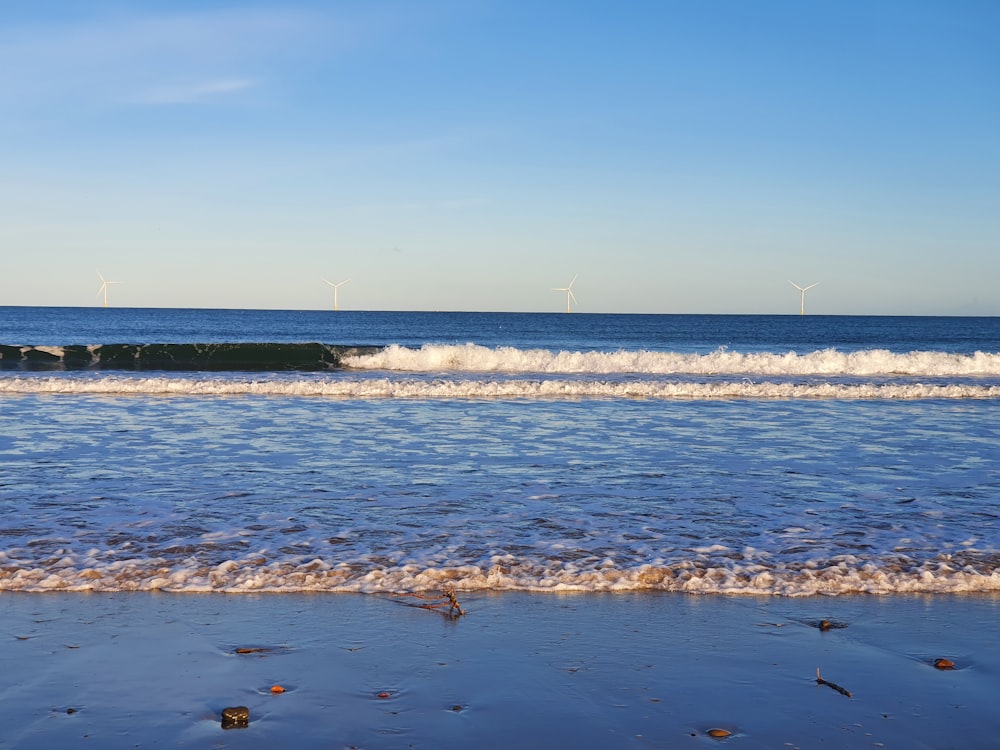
x: 588, y: 670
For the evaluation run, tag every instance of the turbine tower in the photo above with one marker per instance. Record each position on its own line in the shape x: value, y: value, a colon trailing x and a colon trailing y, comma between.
x: 569, y: 292
x: 803, y: 290
x: 335, y: 288
x: 104, y: 288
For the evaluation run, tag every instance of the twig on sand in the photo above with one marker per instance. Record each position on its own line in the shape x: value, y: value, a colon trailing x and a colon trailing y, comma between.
x: 835, y: 686
x: 446, y: 598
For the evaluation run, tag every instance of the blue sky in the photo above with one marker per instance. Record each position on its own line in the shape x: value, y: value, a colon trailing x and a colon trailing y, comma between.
x: 675, y: 156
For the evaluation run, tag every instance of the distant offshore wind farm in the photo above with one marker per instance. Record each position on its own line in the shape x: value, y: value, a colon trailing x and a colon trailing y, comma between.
x: 568, y: 290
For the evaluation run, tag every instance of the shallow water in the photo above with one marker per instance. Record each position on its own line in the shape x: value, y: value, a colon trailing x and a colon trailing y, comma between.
x: 257, y: 493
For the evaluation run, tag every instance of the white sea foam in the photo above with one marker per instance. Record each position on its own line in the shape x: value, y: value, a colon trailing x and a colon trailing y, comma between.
x: 473, y: 388
x: 254, y: 575
x: 474, y: 358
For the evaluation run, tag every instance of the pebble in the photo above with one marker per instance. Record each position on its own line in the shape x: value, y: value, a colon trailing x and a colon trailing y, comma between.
x: 944, y: 664
x: 719, y: 733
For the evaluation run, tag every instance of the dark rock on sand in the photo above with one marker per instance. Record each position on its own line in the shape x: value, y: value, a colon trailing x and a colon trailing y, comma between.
x: 235, y: 716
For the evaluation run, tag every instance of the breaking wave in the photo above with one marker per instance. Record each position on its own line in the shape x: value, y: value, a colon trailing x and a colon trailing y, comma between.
x: 265, y: 357
x: 470, y: 371
x: 256, y: 574
x: 474, y: 358
x: 517, y: 388
x: 283, y: 357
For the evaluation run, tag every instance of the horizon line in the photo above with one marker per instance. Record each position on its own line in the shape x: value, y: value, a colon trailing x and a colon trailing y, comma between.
x: 518, y: 312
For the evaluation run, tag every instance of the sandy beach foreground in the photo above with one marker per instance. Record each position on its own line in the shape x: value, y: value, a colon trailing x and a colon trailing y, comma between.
x: 135, y: 670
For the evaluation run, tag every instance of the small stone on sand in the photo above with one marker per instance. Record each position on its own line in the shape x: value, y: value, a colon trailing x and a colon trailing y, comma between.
x: 235, y: 716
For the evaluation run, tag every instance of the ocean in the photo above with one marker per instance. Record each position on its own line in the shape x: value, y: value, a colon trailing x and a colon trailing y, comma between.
x: 312, y: 451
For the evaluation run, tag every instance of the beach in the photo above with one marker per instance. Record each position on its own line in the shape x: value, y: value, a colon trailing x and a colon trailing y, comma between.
x: 640, y: 669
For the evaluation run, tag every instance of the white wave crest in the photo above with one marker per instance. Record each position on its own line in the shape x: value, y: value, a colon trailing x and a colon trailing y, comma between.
x: 520, y: 388
x: 317, y: 575
x: 475, y: 358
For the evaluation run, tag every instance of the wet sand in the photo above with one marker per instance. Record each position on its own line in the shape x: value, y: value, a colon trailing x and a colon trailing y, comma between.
x: 518, y: 670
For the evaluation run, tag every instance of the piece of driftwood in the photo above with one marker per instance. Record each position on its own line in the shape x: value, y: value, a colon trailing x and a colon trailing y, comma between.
x: 835, y: 686
x: 446, y: 598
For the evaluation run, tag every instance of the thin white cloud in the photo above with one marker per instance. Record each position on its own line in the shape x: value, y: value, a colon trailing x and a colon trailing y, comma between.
x: 131, y: 55
x: 194, y: 93
x: 111, y: 58
x: 200, y: 36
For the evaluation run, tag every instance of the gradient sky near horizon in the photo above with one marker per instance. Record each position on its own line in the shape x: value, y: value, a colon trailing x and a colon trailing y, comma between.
x: 675, y: 156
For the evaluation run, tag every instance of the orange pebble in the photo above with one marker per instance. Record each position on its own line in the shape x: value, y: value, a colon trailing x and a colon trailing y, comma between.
x: 944, y: 664
x: 384, y: 694
x: 277, y: 689
x: 718, y: 733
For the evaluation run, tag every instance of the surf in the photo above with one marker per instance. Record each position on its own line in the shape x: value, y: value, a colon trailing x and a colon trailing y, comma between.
x: 474, y: 358
x: 518, y: 388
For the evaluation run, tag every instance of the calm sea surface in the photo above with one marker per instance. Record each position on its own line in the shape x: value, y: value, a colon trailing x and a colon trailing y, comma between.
x: 231, y: 450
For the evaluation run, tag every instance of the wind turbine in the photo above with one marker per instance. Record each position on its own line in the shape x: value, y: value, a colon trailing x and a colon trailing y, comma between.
x: 802, y: 306
x: 569, y: 292
x: 104, y: 288
x: 335, y: 288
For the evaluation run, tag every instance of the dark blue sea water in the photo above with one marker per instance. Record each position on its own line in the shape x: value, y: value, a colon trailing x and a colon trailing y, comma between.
x: 55, y: 326
x: 228, y: 450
